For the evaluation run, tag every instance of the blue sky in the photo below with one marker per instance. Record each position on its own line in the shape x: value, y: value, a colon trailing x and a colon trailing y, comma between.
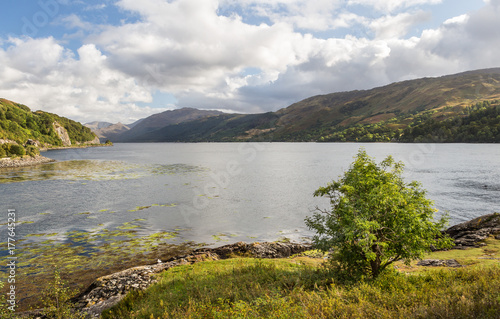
x: 121, y: 60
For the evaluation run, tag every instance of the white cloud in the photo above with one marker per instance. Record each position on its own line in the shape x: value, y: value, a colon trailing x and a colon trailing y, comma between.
x: 389, y: 27
x: 187, y: 49
x: 55, y: 80
x: 392, y: 5
x: 75, y: 22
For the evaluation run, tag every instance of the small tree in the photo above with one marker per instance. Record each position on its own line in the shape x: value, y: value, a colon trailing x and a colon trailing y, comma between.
x: 375, y: 219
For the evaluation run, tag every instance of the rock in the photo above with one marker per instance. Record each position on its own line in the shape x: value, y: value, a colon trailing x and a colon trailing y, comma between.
x: 473, y: 232
x: 259, y: 250
x: 62, y: 133
x: 439, y: 263
x: 33, y: 142
x: 24, y: 161
x: 107, y: 291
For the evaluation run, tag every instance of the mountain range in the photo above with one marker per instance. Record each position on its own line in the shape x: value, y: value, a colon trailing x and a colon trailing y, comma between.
x: 378, y: 114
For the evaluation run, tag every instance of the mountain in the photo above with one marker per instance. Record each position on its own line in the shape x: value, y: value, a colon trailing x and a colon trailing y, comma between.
x: 131, y: 125
x: 97, y: 125
x: 157, y: 121
x: 224, y: 127
x: 110, y: 132
x: 379, y: 114
x: 383, y: 103
x: 23, y: 131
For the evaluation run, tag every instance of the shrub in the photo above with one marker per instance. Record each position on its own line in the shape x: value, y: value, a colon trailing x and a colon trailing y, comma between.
x: 17, y: 150
x: 375, y: 219
x: 32, y: 150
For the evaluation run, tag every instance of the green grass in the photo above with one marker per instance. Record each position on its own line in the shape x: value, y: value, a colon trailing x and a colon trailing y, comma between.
x: 300, y: 288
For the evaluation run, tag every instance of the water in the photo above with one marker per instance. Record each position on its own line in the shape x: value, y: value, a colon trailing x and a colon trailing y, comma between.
x: 225, y: 192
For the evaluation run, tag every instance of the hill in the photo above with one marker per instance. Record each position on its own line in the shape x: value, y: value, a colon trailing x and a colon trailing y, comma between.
x: 379, y: 114
x: 24, y: 132
x: 160, y: 120
x: 97, y: 125
x: 110, y: 132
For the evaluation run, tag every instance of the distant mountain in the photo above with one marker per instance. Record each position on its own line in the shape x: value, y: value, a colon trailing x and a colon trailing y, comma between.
x: 97, y: 125
x: 383, y: 103
x: 379, y: 114
x: 224, y: 127
x: 23, y: 131
x: 161, y: 120
x: 110, y: 132
x: 131, y: 125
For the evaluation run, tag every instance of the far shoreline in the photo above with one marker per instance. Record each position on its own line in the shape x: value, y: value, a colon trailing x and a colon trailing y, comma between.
x: 25, y: 161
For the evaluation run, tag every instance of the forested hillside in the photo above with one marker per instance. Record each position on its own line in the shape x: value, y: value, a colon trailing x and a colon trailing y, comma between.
x: 18, y: 124
x: 453, y: 108
x: 479, y: 123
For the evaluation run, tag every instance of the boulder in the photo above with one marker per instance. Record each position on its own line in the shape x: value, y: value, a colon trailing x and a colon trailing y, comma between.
x: 108, y: 290
x: 473, y: 232
x: 439, y: 263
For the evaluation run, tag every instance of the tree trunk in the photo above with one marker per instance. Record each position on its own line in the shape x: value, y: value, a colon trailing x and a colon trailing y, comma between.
x: 376, y: 263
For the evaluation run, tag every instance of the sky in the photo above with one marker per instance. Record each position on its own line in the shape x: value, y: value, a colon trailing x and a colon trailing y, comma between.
x: 122, y: 60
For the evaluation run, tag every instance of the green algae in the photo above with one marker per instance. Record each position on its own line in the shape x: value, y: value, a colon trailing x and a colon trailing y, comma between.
x: 223, y: 237
x: 83, y: 255
x: 92, y: 170
x: 138, y: 208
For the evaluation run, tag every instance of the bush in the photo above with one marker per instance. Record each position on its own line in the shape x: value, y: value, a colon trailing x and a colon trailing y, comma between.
x: 17, y: 150
x: 375, y: 219
x: 32, y: 150
x: 56, y: 299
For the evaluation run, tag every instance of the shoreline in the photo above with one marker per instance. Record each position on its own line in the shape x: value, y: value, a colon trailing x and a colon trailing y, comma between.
x: 108, y: 290
x: 74, y: 146
x: 24, y: 161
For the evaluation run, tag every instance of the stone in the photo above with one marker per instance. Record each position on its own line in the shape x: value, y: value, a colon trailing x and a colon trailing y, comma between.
x: 62, y: 133
x: 473, y: 232
x: 108, y: 290
x: 439, y: 263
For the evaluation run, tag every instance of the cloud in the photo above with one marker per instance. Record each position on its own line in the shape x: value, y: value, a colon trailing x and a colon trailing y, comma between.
x: 392, y: 5
x: 96, y: 7
x: 55, y: 80
x: 169, y: 56
x: 189, y: 50
x: 389, y: 27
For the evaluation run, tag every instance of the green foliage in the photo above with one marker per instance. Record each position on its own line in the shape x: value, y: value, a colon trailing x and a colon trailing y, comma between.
x: 19, y: 124
x: 32, y: 150
x: 251, y: 288
x: 17, y: 150
x: 5, y: 312
x: 56, y: 300
x: 375, y: 219
x: 478, y: 124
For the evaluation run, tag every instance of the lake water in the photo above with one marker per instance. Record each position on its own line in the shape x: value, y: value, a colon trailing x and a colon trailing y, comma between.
x: 226, y: 192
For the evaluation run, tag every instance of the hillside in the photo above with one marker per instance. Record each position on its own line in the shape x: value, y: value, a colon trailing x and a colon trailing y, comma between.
x: 109, y: 132
x: 97, y: 125
x: 24, y: 132
x: 161, y: 120
x: 379, y: 114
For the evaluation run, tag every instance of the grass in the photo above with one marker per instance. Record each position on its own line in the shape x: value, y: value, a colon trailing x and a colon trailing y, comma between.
x: 301, y: 288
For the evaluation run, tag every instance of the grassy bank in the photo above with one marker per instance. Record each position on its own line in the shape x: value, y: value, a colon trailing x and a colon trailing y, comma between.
x: 301, y: 288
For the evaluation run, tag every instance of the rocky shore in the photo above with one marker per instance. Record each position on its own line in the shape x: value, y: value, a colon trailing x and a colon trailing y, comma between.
x: 24, y: 161
x: 472, y: 233
x: 107, y: 291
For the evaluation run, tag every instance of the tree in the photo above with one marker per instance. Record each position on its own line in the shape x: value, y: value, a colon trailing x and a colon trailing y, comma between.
x: 375, y: 219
